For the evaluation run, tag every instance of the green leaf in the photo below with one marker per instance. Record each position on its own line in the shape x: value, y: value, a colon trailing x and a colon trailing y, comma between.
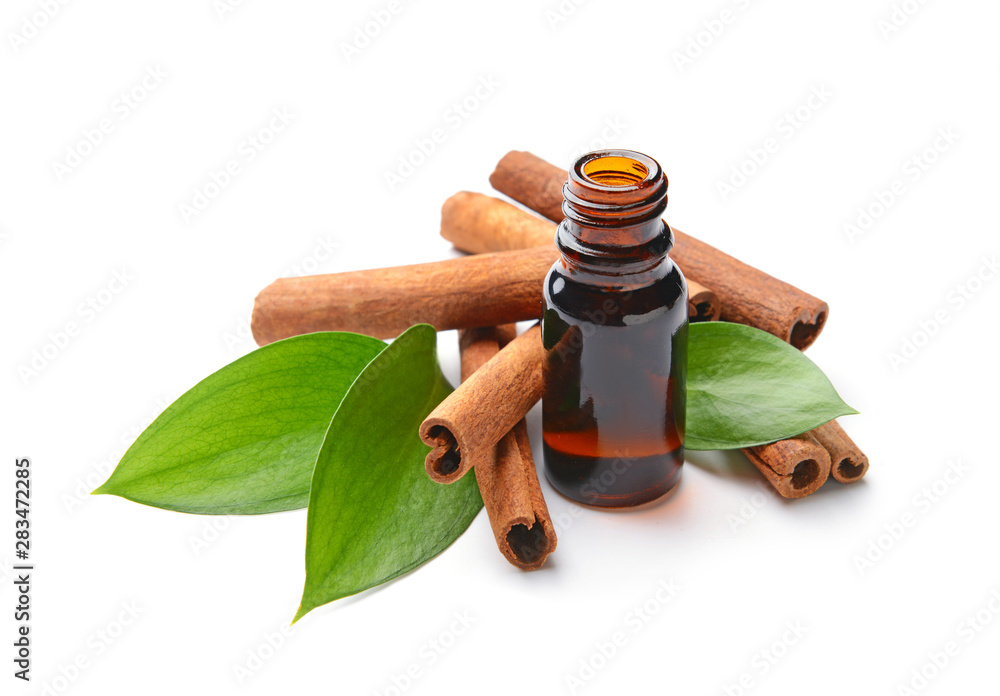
x: 374, y: 514
x: 244, y: 440
x: 747, y: 387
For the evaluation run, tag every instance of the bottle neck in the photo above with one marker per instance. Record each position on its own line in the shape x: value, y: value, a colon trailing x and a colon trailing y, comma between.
x: 579, y: 253
x: 613, y: 203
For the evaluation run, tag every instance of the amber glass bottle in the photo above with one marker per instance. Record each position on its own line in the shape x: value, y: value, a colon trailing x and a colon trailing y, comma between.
x: 615, y: 328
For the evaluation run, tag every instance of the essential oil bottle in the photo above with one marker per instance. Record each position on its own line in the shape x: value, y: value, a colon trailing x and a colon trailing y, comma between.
x: 615, y: 331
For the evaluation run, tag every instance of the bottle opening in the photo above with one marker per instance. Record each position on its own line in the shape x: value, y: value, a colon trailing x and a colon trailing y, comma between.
x: 615, y: 188
x: 616, y: 171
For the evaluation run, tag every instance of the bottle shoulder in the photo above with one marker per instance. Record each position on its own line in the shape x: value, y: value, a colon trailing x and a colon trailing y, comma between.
x: 575, y: 293
x: 662, y: 276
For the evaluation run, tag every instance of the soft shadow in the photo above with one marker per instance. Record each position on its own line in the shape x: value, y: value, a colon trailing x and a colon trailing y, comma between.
x: 728, y: 463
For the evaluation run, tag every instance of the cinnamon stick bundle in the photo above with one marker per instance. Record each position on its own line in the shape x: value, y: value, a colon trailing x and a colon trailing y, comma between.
x: 465, y: 428
x: 484, y: 290
x: 478, y: 224
x: 788, y: 464
x: 749, y: 296
x: 508, y: 480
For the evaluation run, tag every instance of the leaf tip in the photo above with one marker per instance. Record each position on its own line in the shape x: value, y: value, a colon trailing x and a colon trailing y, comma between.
x: 302, y: 611
x: 103, y: 489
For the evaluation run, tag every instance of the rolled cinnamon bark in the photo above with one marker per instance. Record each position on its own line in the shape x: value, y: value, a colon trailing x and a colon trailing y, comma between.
x: 795, y: 467
x: 703, y: 304
x: 508, y: 480
x: 847, y: 462
x: 479, y: 224
x: 483, y: 290
x: 532, y: 182
x: 748, y: 296
x: 465, y: 428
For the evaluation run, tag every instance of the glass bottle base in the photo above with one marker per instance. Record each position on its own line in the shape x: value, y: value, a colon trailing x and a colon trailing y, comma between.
x: 607, y: 482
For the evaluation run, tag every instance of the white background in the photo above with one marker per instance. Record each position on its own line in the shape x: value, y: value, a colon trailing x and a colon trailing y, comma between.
x: 560, y: 83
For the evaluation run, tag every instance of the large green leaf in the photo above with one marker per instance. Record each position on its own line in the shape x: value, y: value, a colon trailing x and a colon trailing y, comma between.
x: 374, y: 514
x: 747, y: 387
x: 244, y: 440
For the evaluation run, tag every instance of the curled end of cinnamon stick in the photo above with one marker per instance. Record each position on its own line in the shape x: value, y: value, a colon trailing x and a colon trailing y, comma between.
x: 808, y: 326
x: 703, y: 304
x: 528, y: 543
x: 795, y: 467
x: 848, y: 462
x: 444, y: 463
x: 513, y: 498
x: 849, y: 470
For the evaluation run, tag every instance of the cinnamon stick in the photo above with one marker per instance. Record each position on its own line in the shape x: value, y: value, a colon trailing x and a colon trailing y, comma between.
x: 795, y: 467
x: 478, y: 224
x: 748, y: 295
x: 508, y: 480
x: 484, y: 290
x: 703, y: 304
x: 847, y: 462
x: 465, y: 428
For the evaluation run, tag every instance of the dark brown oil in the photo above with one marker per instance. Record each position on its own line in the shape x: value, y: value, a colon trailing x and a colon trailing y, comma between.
x: 615, y: 326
